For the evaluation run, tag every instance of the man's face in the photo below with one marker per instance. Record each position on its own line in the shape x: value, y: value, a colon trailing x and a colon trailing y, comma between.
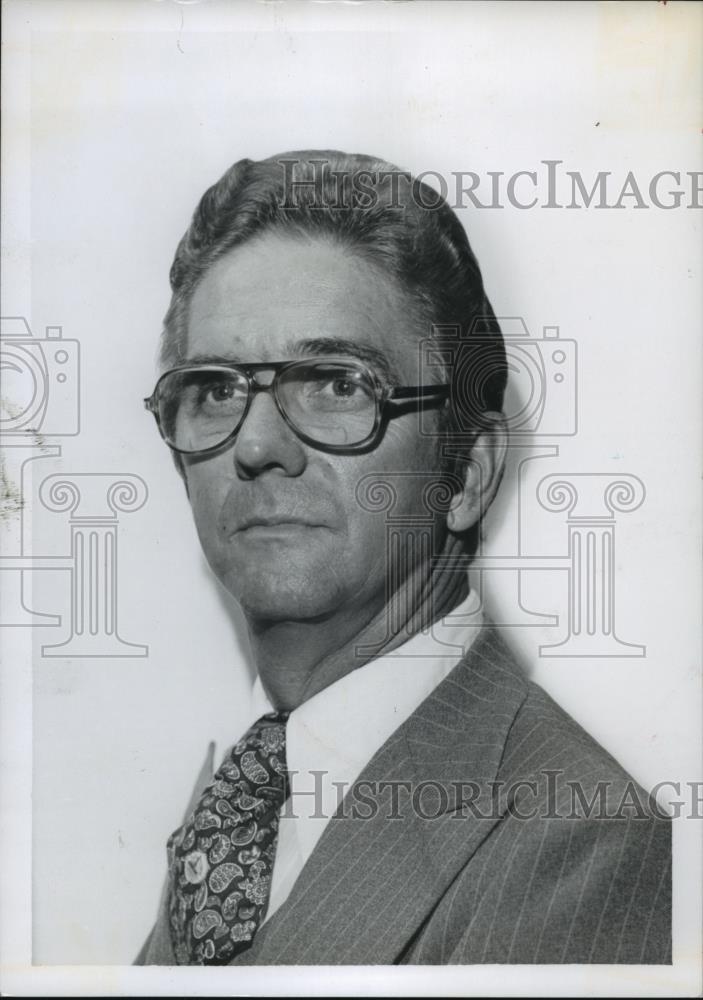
x: 278, y: 519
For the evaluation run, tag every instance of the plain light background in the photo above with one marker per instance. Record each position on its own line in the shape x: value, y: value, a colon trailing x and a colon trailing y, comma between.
x: 133, y: 110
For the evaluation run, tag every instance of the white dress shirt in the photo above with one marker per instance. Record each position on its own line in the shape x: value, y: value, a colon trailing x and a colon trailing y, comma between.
x: 331, y: 737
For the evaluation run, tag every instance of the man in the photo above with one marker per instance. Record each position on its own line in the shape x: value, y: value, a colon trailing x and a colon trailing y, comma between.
x: 404, y: 794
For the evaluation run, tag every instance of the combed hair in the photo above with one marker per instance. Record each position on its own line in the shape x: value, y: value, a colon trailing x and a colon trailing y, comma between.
x: 378, y: 212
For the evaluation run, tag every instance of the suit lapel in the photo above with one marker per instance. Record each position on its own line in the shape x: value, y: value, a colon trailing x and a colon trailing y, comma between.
x: 382, y: 863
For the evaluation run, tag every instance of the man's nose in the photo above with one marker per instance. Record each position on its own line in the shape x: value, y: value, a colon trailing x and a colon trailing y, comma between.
x: 265, y: 441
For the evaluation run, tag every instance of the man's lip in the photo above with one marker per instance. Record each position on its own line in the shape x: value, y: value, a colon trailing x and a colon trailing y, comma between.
x: 276, y: 522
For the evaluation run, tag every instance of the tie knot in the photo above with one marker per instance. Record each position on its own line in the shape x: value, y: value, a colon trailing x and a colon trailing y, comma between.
x: 261, y: 752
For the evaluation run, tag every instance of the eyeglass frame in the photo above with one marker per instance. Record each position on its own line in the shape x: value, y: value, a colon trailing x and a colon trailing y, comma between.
x: 383, y: 394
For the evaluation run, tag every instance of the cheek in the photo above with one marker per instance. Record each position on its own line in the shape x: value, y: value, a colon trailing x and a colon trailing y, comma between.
x: 399, y: 470
x: 207, y: 489
x: 391, y: 482
x: 410, y: 442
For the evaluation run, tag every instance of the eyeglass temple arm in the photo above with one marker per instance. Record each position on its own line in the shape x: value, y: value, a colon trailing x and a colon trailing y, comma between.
x: 418, y: 391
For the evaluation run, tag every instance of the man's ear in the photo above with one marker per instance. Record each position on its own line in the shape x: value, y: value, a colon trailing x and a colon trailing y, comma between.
x: 481, y: 475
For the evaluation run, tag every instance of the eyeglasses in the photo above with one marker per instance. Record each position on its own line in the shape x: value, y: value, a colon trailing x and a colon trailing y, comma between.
x: 336, y: 404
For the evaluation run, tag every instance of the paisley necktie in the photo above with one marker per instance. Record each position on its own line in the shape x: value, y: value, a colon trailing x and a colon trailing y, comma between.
x: 221, y: 859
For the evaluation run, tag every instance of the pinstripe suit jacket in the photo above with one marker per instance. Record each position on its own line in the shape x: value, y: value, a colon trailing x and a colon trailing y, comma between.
x: 489, y: 828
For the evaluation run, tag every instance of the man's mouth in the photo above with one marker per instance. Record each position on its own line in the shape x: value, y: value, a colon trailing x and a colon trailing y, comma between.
x: 274, y: 522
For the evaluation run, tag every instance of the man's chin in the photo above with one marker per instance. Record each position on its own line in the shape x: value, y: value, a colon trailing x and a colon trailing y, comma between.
x: 271, y: 609
x: 270, y: 596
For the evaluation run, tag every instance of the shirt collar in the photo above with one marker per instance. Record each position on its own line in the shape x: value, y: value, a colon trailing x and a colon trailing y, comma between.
x: 337, y: 731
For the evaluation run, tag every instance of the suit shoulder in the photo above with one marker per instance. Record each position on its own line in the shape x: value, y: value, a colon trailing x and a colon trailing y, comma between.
x: 544, y: 736
x: 576, y: 867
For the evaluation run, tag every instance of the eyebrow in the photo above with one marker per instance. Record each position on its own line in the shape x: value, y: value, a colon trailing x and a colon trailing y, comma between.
x: 211, y: 359
x: 316, y: 346
x: 362, y: 352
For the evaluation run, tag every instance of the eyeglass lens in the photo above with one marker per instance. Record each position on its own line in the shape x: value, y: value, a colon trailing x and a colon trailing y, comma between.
x: 330, y: 402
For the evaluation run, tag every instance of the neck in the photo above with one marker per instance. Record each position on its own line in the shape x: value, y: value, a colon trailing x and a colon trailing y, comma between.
x: 297, y: 659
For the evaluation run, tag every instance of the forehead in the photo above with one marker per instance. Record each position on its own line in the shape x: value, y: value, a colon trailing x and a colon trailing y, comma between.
x: 267, y: 297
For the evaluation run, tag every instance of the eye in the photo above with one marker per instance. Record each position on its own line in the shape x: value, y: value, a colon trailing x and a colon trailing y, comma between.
x: 218, y: 392
x: 344, y: 387
x: 335, y: 385
x: 217, y: 395
x: 322, y: 388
